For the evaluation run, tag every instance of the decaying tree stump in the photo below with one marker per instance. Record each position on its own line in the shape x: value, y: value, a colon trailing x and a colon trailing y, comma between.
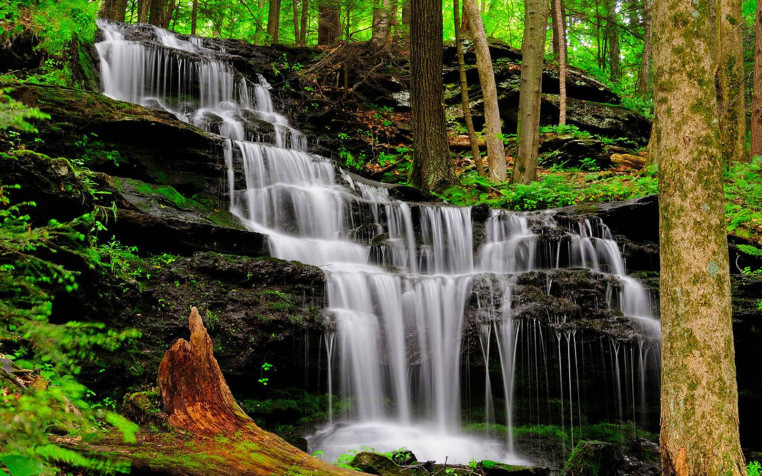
x: 198, y: 400
x: 628, y: 160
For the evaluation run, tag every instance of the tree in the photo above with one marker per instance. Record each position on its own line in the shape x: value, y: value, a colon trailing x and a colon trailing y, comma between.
x: 305, y: 17
x: 273, y: 20
x: 464, y: 101
x: 194, y: 16
x: 612, y: 44
x: 382, y: 24
x: 113, y: 10
x: 432, y: 165
x: 644, y: 76
x: 533, y: 48
x: 560, y: 48
x: 329, y: 22
x: 699, y: 400
x: 730, y: 80
x: 559, y: 28
x: 492, y: 128
x: 756, y: 103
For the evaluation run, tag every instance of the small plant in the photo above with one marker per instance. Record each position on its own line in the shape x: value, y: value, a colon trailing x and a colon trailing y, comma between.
x: 265, y: 367
x: 754, y: 469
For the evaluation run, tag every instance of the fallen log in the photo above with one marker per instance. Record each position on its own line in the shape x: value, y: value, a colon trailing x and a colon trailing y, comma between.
x: 628, y: 160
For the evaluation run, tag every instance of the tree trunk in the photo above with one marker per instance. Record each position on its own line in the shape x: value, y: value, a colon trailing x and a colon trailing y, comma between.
x: 699, y: 400
x: 194, y: 17
x: 197, y: 399
x: 558, y: 14
x: 730, y: 80
x: 492, y: 128
x: 381, y: 36
x: 144, y: 7
x: 432, y: 165
x: 295, y: 5
x: 329, y: 22
x: 756, y: 103
x: 533, y: 48
x: 158, y: 12
x: 612, y: 40
x: 559, y: 30
x: 305, y: 18
x: 644, y: 77
x: 273, y: 20
x: 465, y: 103
x: 405, y: 30
x: 114, y: 10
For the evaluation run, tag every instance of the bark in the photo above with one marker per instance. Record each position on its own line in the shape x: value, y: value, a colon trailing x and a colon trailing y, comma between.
x: 644, y: 77
x: 305, y: 18
x: 273, y: 20
x: 197, y: 399
x: 382, y: 31
x: 159, y: 11
x: 730, y: 80
x: 194, y: 17
x: 559, y: 30
x: 612, y: 41
x: 144, y: 7
x: 699, y: 400
x: 113, y: 10
x: 405, y: 30
x: 465, y: 103
x: 492, y: 128
x: 533, y: 48
x: 432, y: 165
x: 558, y: 14
x: 329, y: 22
x: 756, y: 103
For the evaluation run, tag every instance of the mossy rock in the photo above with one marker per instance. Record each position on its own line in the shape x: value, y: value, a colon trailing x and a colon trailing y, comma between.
x: 493, y: 468
x: 593, y: 458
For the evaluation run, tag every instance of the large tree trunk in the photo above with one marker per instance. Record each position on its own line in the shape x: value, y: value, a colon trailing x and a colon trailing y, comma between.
x: 432, y: 164
x: 644, y: 77
x: 113, y: 10
x: 533, y: 48
x: 558, y: 14
x: 295, y: 5
x: 559, y: 30
x: 464, y: 101
x: 699, y: 400
x: 329, y: 22
x: 305, y: 18
x: 144, y: 7
x: 194, y: 17
x: 492, y: 128
x: 158, y: 12
x: 197, y: 399
x: 273, y: 20
x: 612, y: 41
x: 730, y: 80
x: 381, y: 28
x: 756, y: 103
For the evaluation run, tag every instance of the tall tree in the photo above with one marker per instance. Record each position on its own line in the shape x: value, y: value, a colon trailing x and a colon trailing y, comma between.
x: 273, y: 20
x: 329, y: 22
x: 756, y: 103
x: 644, y: 76
x: 699, y: 400
x: 464, y: 101
x: 730, y: 79
x: 113, y: 10
x: 612, y: 44
x: 305, y: 17
x: 295, y: 5
x: 530, y: 90
x: 559, y: 28
x: 381, y: 29
x: 492, y: 128
x: 558, y: 15
x: 432, y: 164
x: 194, y: 17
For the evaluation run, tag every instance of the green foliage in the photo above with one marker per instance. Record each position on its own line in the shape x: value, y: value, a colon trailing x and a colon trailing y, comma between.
x: 54, y: 22
x: 743, y: 199
x: 14, y: 114
x: 754, y: 468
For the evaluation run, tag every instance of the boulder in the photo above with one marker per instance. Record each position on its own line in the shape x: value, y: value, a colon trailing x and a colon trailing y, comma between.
x: 593, y: 458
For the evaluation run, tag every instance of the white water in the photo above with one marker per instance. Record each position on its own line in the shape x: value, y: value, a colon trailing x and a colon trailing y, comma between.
x: 398, y: 306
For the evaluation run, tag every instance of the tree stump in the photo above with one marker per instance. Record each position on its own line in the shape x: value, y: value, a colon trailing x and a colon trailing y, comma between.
x: 197, y: 399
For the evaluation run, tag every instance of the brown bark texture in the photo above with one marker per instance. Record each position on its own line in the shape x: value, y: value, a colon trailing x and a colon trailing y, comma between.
x: 756, y: 103
x: 304, y: 19
x: 273, y: 20
x: 530, y: 89
x: 329, y: 22
x: 558, y: 15
x: 730, y: 80
x: 194, y: 16
x: 492, y: 128
x: 113, y: 10
x: 381, y: 35
x: 559, y: 27
x: 465, y: 103
x: 699, y: 400
x: 644, y: 76
x: 432, y: 164
x: 198, y: 400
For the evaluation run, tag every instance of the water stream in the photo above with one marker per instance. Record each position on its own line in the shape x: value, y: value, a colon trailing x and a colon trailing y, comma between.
x: 399, y: 276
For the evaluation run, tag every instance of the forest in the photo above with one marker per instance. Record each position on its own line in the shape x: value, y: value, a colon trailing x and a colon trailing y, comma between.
x: 390, y: 237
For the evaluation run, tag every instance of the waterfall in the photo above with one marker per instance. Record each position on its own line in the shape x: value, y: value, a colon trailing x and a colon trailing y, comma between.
x: 399, y: 276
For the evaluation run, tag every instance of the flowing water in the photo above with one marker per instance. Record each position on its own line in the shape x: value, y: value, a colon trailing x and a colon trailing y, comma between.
x: 399, y: 276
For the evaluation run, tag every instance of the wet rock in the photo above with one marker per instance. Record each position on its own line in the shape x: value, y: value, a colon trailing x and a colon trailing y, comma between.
x: 491, y: 468
x: 374, y: 463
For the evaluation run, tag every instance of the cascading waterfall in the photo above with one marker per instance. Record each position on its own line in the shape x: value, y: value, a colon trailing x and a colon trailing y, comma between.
x: 399, y: 277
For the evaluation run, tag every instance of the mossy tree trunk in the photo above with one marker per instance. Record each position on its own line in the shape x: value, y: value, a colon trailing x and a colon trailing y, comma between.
x: 492, y: 129
x: 730, y: 80
x: 273, y: 21
x: 533, y: 49
x: 113, y: 10
x: 432, y: 164
x: 560, y: 38
x: 756, y: 103
x: 699, y: 401
x: 465, y: 103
